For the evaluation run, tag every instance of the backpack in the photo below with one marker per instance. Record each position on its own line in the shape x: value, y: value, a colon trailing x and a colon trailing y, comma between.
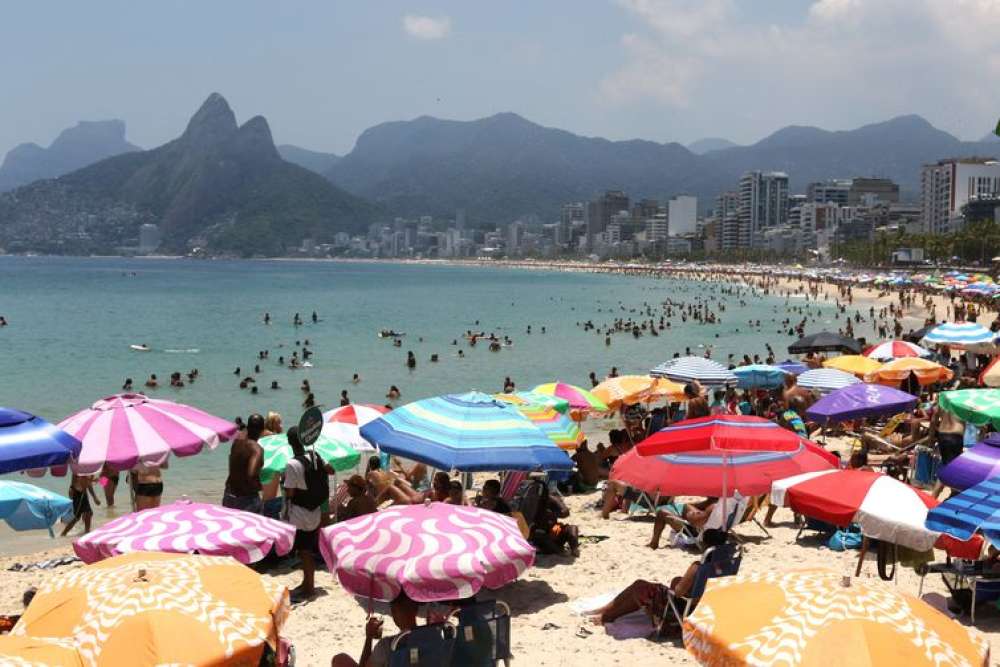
x: 317, y: 489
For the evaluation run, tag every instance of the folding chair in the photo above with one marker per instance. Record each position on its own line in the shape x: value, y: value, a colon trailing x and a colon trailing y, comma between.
x: 735, y: 507
x: 482, y: 634
x: 720, y: 561
x: 424, y: 646
x: 754, y: 505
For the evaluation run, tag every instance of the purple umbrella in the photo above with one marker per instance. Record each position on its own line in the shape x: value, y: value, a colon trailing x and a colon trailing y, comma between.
x: 976, y: 465
x: 859, y: 401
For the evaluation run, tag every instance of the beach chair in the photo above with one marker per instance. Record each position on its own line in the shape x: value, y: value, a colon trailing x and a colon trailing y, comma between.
x: 511, y: 483
x: 735, y: 507
x: 754, y: 506
x: 482, y: 634
x: 720, y: 561
x: 424, y: 646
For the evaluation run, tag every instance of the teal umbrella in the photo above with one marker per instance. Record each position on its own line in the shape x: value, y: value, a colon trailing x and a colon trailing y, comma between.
x: 977, y: 406
x: 277, y: 453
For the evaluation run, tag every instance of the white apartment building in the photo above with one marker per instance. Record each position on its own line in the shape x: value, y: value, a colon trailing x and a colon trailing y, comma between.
x: 763, y: 205
x: 682, y: 212
x: 948, y: 185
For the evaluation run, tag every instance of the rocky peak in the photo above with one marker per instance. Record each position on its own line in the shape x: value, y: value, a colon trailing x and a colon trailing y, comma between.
x: 213, y: 122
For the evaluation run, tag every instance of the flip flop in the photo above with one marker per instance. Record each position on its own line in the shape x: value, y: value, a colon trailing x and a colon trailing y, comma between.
x: 583, y: 632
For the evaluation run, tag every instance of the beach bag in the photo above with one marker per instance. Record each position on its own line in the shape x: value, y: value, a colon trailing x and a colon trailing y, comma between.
x: 845, y: 538
x: 317, y: 484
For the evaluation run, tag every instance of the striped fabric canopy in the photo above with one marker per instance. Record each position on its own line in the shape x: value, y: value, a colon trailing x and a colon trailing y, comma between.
x: 27, y: 507
x: 686, y: 369
x: 28, y: 442
x: 962, y: 335
x: 826, y: 379
x: 468, y: 432
x: 124, y: 430
x: 757, y: 376
x: 976, y: 508
x: 978, y: 406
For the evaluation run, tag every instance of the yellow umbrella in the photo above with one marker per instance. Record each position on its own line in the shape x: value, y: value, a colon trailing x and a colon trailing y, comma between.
x: 926, y: 371
x: 665, y: 389
x: 32, y: 652
x: 809, y: 618
x: 855, y: 364
x: 623, y: 390
x: 151, y: 608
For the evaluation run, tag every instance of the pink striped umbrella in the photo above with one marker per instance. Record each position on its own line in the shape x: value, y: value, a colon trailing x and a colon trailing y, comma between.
x: 124, y: 430
x: 188, y: 527
x: 344, y: 423
x: 433, y: 552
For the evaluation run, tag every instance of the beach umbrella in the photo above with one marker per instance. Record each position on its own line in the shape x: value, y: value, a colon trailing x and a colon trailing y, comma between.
x: 344, y: 423
x: 925, y: 371
x: 707, y: 473
x: 687, y: 369
x: 664, y: 389
x: 825, y: 341
x: 978, y: 406
x: 813, y: 618
x: 918, y: 335
x: 757, y: 376
x: 125, y: 430
x: 885, y: 508
x: 855, y: 364
x: 33, y: 652
x: 826, y: 379
x: 962, y: 336
x: 27, y: 507
x: 559, y: 428
x: 990, y: 377
x: 860, y: 401
x: 977, y: 508
x: 623, y: 390
x: 148, y: 608
x: 530, y: 399
x: 189, y: 527
x: 793, y: 367
x: 277, y: 453
x: 468, y: 432
x: 578, y: 398
x: 432, y: 552
x: 976, y: 464
x: 720, y: 433
x: 28, y: 442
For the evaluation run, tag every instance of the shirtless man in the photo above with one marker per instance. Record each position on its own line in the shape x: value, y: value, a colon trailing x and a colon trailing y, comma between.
x: 147, y: 482
x: 948, y: 433
x: 245, y: 461
x: 792, y: 391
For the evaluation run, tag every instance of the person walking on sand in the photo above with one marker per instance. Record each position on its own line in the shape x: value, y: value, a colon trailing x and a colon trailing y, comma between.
x: 81, y: 490
x: 307, y: 487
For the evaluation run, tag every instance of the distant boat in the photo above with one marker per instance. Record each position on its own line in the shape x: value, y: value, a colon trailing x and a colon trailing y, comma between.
x: 140, y: 348
x: 389, y: 333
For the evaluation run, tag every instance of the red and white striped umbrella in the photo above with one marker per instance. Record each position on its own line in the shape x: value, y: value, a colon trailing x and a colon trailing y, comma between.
x: 885, y: 508
x: 895, y: 349
x: 124, y: 430
x: 344, y: 423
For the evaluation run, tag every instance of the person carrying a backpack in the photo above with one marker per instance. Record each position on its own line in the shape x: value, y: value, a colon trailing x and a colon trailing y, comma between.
x: 307, y: 487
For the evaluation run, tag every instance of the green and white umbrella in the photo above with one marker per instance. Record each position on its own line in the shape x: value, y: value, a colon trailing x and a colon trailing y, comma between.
x: 277, y: 453
x: 977, y: 406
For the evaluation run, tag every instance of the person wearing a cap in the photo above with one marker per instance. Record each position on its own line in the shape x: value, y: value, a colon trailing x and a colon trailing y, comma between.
x: 360, y: 502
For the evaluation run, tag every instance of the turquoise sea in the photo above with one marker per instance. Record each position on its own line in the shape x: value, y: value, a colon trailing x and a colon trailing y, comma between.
x: 71, y: 321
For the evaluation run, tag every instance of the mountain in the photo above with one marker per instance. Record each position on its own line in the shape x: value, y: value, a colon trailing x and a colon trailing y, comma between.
x: 709, y: 144
x: 311, y: 160
x: 502, y: 167
x: 75, y: 147
x: 219, y: 184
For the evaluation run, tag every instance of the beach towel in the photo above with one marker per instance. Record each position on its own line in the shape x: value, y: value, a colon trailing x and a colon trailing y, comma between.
x: 631, y: 626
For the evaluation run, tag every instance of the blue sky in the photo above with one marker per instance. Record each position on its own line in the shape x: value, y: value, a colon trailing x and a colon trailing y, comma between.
x: 322, y: 72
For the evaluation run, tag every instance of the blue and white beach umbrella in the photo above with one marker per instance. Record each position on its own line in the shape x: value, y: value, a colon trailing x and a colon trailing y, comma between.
x: 962, y: 335
x: 27, y: 507
x: 976, y: 508
x: 28, y: 442
x: 685, y: 369
x: 466, y: 432
x: 759, y: 376
x: 826, y: 379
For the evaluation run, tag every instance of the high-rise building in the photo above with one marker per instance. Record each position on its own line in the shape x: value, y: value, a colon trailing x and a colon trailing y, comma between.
x: 600, y: 210
x: 869, y: 191
x: 515, y: 236
x: 946, y: 186
x: 727, y: 215
x: 645, y: 208
x: 149, y: 238
x: 836, y: 191
x: 657, y: 228
x: 763, y: 204
x: 682, y: 215
x: 570, y: 215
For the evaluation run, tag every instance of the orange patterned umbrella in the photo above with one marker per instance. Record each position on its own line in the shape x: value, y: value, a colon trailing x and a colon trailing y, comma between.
x: 150, y: 608
x: 31, y: 652
x: 926, y: 371
x: 809, y: 618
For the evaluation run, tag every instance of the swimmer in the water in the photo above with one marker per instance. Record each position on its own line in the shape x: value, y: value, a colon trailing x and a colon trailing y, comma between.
x: 128, y: 385
x: 393, y: 393
x: 267, y: 318
x: 356, y: 379
x: 151, y: 382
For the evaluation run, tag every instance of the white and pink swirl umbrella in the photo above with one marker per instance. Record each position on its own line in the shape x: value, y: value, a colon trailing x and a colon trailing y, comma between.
x: 433, y: 552
x: 124, y: 430
x: 344, y: 423
x: 188, y: 527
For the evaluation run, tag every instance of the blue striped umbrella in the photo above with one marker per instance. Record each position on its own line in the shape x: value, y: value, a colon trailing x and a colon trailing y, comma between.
x: 467, y: 432
x: 963, y: 335
x: 826, y: 379
x: 686, y: 369
x: 976, y: 508
x: 27, y: 507
x: 793, y: 367
x: 757, y: 376
x: 28, y: 442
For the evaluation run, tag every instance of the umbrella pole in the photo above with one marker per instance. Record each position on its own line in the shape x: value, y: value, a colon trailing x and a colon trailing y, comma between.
x: 861, y: 555
x: 725, y: 471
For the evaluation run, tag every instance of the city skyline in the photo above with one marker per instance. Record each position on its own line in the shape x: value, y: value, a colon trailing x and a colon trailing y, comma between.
x: 323, y: 72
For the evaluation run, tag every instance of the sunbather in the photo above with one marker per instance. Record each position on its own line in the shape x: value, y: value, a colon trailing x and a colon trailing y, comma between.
x: 679, y: 514
x: 653, y: 597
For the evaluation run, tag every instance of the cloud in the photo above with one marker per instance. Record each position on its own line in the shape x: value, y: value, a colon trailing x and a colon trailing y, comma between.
x: 426, y: 27
x: 833, y: 63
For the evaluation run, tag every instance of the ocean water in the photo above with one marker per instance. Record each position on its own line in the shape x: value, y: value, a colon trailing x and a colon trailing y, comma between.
x: 72, y: 320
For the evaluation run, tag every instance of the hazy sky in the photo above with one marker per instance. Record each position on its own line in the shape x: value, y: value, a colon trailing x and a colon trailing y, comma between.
x: 669, y: 70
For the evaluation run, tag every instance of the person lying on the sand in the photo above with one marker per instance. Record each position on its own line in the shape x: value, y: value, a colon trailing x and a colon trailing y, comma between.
x: 652, y: 597
x: 680, y: 514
